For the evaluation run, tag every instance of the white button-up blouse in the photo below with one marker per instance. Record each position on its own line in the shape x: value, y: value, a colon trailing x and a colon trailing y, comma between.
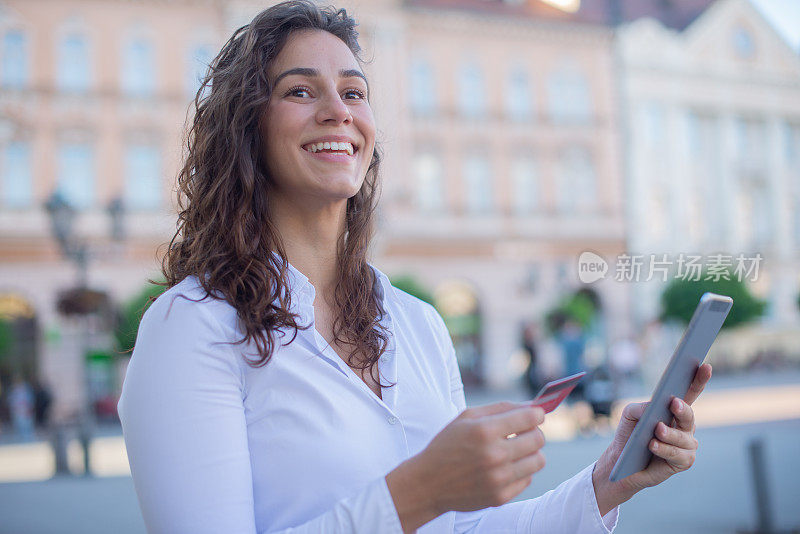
x: 301, y: 444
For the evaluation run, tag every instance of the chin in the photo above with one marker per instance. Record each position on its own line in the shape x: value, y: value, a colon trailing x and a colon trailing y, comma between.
x: 343, y: 191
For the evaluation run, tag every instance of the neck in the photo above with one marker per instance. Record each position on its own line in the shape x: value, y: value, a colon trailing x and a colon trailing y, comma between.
x: 310, y: 234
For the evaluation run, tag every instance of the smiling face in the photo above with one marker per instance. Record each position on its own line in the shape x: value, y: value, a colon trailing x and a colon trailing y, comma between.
x: 318, y: 95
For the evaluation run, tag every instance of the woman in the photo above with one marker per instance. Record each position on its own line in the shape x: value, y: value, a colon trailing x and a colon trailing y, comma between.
x: 281, y: 384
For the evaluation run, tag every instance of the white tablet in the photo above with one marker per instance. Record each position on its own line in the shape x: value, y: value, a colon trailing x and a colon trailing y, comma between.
x: 675, y: 381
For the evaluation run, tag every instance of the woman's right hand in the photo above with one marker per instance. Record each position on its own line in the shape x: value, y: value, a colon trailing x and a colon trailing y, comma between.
x: 470, y: 464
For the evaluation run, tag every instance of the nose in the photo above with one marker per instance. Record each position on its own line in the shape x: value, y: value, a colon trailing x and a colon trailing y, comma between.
x: 332, y: 109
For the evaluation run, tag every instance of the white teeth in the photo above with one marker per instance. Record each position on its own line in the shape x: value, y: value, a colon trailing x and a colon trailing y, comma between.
x: 332, y: 145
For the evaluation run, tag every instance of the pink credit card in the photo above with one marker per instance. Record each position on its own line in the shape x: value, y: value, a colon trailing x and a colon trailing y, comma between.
x: 551, y: 395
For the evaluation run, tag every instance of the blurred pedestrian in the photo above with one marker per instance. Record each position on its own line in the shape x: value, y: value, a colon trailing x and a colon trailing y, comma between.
x: 20, y: 399
x: 573, y: 344
x: 625, y: 358
x: 600, y: 393
x: 549, y: 360
x: 42, y: 401
x: 532, y: 376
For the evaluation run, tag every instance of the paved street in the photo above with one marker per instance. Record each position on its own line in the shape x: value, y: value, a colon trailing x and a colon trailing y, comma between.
x: 716, y: 496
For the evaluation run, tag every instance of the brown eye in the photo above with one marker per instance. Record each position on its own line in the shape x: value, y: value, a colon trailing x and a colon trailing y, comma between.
x: 297, y: 89
x: 358, y: 92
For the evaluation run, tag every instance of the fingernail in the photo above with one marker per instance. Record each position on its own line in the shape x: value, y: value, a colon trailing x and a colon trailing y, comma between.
x: 655, y: 445
x: 679, y: 406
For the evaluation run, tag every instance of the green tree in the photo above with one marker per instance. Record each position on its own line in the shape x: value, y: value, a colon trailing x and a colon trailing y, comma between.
x: 6, y: 338
x: 410, y: 285
x: 680, y: 298
x: 576, y: 307
x: 131, y: 314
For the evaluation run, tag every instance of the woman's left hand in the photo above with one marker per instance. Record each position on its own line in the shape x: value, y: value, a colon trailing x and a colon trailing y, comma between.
x: 674, y: 448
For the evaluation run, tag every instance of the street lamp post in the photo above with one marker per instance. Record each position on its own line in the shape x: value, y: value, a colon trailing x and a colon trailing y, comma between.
x: 62, y: 217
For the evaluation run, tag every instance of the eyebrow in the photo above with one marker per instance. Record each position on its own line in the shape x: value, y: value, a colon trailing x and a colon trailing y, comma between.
x: 314, y: 73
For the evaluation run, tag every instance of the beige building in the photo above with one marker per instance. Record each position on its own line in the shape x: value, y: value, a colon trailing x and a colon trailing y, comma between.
x: 497, y: 120
x: 93, y: 97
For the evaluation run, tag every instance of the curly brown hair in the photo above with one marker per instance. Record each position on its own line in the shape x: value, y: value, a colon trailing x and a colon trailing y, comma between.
x: 225, y: 236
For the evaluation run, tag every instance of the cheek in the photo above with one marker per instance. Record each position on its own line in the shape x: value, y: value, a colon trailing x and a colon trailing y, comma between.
x: 368, y: 131
x: 284, y: 126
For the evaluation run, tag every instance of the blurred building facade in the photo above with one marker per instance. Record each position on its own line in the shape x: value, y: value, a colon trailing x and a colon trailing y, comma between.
x: 93, y: 100
x: 505, y: 167
x: 501, y: 122
x: 712, y: 126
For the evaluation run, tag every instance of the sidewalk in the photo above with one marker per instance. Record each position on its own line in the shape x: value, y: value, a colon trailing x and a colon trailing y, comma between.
x: 714, y: 497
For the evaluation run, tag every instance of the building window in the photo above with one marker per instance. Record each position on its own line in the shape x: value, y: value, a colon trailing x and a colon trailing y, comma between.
x: 17, y: 186
x: 524, y: 184
x: 743, y: 43
x: 795, y: 202
x: 478, y: 184
x: 471, y: 90
x: 568, y: 95
x: 657, y: 211
x: 430, y: 187
x: 752, y: 176
x: 793, y: 147
x: 76, y: 174
x: 143, y: 177
x: 793, y: 163
x: 73, y: 72
x: 706, y: 175
x: 755, y: 213
x: 751, y: 146
x: 200, y: 58
x: 518, y: 98
x: 15, y: 59
x: 138, y: 67
x: 653, y: 126
x: 577, y: 183
x: 423, y: 87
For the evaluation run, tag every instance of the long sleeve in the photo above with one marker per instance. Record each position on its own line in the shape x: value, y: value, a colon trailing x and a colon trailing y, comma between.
x: 569, y: 508
x: 183, y: 420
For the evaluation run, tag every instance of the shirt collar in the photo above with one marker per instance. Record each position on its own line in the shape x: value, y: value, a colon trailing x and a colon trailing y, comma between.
x: 301, y: 286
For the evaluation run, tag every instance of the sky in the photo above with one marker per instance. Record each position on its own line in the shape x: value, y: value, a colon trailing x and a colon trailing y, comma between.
x: 785, y: 16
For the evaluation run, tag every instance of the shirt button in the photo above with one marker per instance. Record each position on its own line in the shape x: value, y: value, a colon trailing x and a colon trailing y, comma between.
x: 392, y: 420
x: 384, y: 359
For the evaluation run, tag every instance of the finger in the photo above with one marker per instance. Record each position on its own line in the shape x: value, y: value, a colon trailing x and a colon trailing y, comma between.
x: 679, y: 458
x: 673, y: 436
x: 525, y: 467
x: 514, y: 489
x: 516, y: 421
x: 633, y: 412
x: 701, y: 378
x: 526, y: 444
x: 684, y: 415
x: 490, y: 409
x: 630, y: 416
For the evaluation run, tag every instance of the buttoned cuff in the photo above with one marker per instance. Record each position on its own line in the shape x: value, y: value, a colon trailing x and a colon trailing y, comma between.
x: 608, y: 522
